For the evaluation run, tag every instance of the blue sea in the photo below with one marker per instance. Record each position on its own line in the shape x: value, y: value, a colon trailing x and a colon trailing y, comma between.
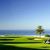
x: 22, y: 32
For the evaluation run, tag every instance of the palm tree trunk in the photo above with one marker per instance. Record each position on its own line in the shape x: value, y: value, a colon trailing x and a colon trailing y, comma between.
x: 40, y: 35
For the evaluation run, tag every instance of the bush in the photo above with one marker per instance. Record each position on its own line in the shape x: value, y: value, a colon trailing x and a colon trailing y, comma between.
x: 30, y: 38
x: 46, y: 35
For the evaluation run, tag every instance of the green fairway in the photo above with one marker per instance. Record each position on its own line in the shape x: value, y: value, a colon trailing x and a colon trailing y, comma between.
x: 33, y: 45
x: 20, y: 39
x: 25, y: 42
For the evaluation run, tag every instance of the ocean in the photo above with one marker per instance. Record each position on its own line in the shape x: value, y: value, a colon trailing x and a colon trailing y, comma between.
x: 21, y: 32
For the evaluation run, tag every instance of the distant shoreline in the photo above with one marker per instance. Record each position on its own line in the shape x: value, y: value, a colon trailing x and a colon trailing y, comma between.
x: 23, y: 35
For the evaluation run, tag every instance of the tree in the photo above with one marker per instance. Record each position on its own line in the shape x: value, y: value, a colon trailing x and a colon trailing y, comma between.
x: 47, y: 35
x: 39, y: 30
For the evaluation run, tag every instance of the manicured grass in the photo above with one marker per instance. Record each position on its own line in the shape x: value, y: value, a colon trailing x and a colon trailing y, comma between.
x: 9, y: 47
x: 20, y: 39
x: 25, y: 42
x: 33, y: 45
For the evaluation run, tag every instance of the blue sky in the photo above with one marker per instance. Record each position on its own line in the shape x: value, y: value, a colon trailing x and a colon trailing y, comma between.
x: 24, y: 14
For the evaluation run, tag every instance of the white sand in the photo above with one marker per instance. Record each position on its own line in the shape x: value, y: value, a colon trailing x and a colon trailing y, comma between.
x: 34, y: 35
x: 2, y: 35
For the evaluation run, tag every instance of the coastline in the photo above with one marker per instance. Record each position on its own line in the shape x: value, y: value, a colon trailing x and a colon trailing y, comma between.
x: 21, y: 35
x: 34, y: 35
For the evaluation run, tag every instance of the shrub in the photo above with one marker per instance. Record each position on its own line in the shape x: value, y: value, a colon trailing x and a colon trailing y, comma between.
x: 46, y: 35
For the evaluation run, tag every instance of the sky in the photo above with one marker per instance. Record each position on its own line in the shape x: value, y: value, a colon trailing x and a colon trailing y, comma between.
x: 24, y: 14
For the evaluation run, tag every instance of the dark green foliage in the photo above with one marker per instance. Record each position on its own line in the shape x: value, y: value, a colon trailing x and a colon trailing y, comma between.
x: 39, y: 30
x: 46, y: 35
x: 30, y: 38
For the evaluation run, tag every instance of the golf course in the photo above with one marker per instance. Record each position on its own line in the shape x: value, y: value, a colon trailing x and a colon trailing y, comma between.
x: 23, y: 43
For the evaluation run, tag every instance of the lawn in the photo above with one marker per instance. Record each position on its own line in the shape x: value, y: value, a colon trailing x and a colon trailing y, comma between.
x: 32, y: 45
x: 24, y: 42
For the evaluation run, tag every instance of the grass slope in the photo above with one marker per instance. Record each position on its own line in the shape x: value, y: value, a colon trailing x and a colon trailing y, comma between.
x: 24, y: 43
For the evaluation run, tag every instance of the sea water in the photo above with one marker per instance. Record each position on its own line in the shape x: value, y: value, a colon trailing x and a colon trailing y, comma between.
x: 21, y: 32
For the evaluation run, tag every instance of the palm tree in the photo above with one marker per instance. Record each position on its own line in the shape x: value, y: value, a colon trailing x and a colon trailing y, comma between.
x: 39, y: 30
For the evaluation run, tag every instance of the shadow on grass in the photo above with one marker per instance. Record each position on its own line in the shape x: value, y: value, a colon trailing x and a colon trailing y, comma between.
x: 17, y: 42
x: 5, y: 47
x: 6, y: 39
x: 10, y: 37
